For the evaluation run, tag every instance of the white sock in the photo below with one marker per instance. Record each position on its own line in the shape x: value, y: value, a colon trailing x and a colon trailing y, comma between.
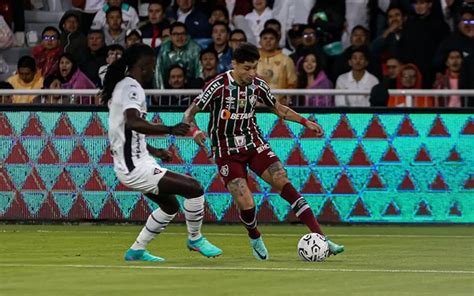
x: 194, y: 213
x: 155, y: 224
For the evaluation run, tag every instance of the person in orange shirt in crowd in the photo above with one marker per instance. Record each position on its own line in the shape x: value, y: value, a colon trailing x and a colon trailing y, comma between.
x: 410, y: 78
x: 46, y: 54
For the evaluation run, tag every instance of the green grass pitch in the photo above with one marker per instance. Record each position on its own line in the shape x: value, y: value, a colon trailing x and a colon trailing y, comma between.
x: 379, y: 260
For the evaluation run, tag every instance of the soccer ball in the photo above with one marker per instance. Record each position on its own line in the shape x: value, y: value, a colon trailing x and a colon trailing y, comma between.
x: 313, y: 247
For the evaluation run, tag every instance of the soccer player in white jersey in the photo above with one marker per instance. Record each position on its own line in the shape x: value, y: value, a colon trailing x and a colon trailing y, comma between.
x: 133, y: 162
x: 238, y: 143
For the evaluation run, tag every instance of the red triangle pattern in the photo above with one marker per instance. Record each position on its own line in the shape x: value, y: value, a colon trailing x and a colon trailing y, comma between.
x: 64, y: 127
x: 307, y: 133
x: 280, y: 130
x: 469, y: 184
x: 454, y: 210
x: 375, y: 182
x: 157, y: 119
x: 343, y: 130
x: 312, y: 186
x: 121, y: 187
x: 406, y: 128
x: 49, y: 155
x: 375, y: 130
x: 18, y: 210
x: 439, y: 184
x: 64, y: 183
x: 328, y: 158
x: 253, y: 184
x: 95, y: 183
x: 329, y: 213
x: 360, y: 210
x: 6, y: 183
x: 80, y: 211
x: 469, y: 128
x: 217, y: 185
x: 438, y: 129
x: 33, y: 181
x: 79, y: 155
x: 49, y: 210
x: 111, y: 211
x: 106, y: 158
x: 202, y: 157
x: 359, y: 157
x: 454, y: 156
x: 423, y: 210
x: 296, y: 157
x: 5, y: 127
x: 141, y: 211
x: 176, y: 158
x: 344, y: 186
x: 95, y: 128
x: 407, y: 184
x: 18, y: 154
x: 392, y: 210
x: 33, y: 128
x: 423, y: 155
x: 390, y: 155
x: 265, y: 212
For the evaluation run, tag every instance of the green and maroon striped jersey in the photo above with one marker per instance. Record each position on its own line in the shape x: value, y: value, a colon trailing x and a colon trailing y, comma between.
x: 233, y: 125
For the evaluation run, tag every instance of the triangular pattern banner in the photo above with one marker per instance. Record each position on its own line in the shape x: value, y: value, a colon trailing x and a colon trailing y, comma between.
x: 18, y: 120
x: 33, y: 201
x: 48, y: 120
x: 6, y: 198
x: 280, y: 206
x: 95, y: 201
x: 126, y: 201
x: 219, y: 203
x: 79, y: 120
x: 64, y: 201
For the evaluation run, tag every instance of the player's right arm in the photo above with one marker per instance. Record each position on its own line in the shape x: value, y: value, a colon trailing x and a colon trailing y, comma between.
x: 134, y: 122
x: 189, y: 118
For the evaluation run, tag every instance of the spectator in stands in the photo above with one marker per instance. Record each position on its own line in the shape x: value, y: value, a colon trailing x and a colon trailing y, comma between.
x: 209, y: 63
x: 356, y: 79
x: 129, y: 15
x: 73, y: 78
x: 276, y: 25
x: 196, y: 21
x: 72, y: 39
x: 309, y: 43
x: 179, y: 49
x: 276, y: 68
x: 6, y: 99
x: 152, y: 30
x: 46, y: 54
x: 114, y: 52
x: 219, y: 14
x: 176, y: 80
x: 327, y: 17
x: 421, y: 37
x: 257, y: 18
x: 52, y: 82
x: 295, y: 38
x: 113, y: 31
x: 94, y: 56
x: 462, y: 39
x: 220, y: 38
x: 450, y: 80
x: 236, y: 37
x: 466, y: 79
x: 311, y: 75
x: 410, y: 78
x: 27, y: 77
x: 393, y: 67
x: 132, y: 37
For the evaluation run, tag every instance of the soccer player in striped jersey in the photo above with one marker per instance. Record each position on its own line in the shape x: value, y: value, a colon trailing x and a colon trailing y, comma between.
x: 238, y: 143
x: 133, y: 162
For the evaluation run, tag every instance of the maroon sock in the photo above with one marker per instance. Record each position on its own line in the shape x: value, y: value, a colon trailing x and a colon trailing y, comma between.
x: 249, y: 218
x: 300, y: 208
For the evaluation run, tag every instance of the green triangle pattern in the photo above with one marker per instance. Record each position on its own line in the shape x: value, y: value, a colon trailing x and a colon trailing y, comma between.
x: 18, y: 174
x: 33, y: 147
x: 376, y: 203
x: 344, y: 149
x: 328, y: 122
x: 359, y: 177
x: 219, y: 203
x: 454, y: 123
x: 391, y: 122
x: 182, y: 169
x: 104, y: 119
x: 455, y: 175
x: 49, y: 174
x: 466, y: 204
x: 423, y: 176
x: 282, y: 147
x: 107, y: 174
x: 422, y: 123
x: 80, y: 174
x: 328, y: 176
x: 48, y: 120
x: 280, y: 206
x: 158, y: 142
x: 439, y: 148
x: 464, y: 147
x: 258, y: 198
x: 204, y: 174
x: 5, y: 145
x: 33, y: 201
x: 79, y: 120
x: 392, y: 175
x: 344, y: 204
x: 95, y: 201
x: 64, y: 147
x: 95, y: 147
x: 263, y: 185
x: 295, y: 127
x: 297, y: 175
x: 312, y: 148
x: 151, y: 204
x: 126, y: 202
x: 202, y: 120
x: 407, y: 148
x: 359, y: 122
x: 408, y: 204
x: 439, y: 205
x: 6, y: 198
x: 316, y: 202
x: 266, y: 122
x: 64, y: 200
x: 170, y: 118
x: 187, y: 148
x: 18, y: 120
x: 374, y: 149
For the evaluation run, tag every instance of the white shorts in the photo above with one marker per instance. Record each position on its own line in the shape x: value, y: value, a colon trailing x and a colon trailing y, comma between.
x: 144, y: 177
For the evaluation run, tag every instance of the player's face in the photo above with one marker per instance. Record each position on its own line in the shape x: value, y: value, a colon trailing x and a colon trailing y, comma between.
x: 148, y: 68
x: 245, y: 72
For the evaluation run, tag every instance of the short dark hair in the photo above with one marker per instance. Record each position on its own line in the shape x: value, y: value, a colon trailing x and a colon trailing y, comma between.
x: 219, y: 23
x: 246, y: 52
x: 112, y: 9
x: 396, y: 6
x: 364, y: 50
x: 177, y: 66
x: 237, y: 31
x: 272, y: 22
x: 209, y: 50
x: 48, y: 80
x: 50, y: 28
x: 176, y: 25
x: 27, y: 62
x: 96, y: 31
x: 269, y: 31
x: 360, y: 27
x: 223, y: 9
x: 114, y: 47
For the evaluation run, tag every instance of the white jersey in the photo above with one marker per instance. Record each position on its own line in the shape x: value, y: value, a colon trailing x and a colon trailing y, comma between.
x: 128, y: 147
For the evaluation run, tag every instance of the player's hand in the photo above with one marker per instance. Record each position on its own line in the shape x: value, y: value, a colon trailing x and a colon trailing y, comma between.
x: 200, y: 138
x: 315, y: 127
x: 162, y: 154
x: 180, y: 129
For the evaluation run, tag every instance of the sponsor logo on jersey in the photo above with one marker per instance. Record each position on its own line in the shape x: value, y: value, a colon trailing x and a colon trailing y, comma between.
x: 224, y: 170
x: 262, y: 148
x: 205, y: 96
x: 226, y: 115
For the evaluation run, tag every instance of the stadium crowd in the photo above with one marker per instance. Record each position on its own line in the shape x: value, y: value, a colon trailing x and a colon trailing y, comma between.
x: 305, y: 44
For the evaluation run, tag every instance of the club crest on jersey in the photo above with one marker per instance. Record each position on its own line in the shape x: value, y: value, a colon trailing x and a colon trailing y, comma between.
x: 157, y: 171
x: 133, y: 95
x: 224, y: 170
x: 242, y: 102
x: 253, y: 99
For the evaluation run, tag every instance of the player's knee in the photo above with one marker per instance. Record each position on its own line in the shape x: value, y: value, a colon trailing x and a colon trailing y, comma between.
x: 196, y: 188
x: 170, y: 206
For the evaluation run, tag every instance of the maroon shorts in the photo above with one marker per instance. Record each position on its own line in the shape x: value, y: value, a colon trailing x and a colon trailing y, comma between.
x: 235, y: 165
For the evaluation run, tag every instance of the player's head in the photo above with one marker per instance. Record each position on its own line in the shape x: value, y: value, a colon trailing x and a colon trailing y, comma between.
x: 138, y: 61
x: 244, y: 61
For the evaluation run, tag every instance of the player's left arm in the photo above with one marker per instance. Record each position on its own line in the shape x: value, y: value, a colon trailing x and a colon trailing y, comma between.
x: 189, y: 118
x: 287, y: 113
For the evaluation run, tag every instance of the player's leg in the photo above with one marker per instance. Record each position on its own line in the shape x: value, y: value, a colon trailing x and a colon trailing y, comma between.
x: 192, y: 191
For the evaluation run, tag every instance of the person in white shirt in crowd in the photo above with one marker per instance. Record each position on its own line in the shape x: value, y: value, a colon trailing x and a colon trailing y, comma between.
x: 114, y: 52
x: 133, y: 36
x: 113, y: 31
x: 356, y: 79
x: 129, y: 15
x: 257, y: 18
